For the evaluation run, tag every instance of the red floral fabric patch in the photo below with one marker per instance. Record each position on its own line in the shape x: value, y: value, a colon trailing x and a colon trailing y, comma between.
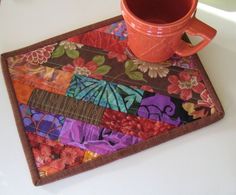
x: 39, y: 56
x: 133, y: 125
x: 185, y: 84
x: 52, y: 156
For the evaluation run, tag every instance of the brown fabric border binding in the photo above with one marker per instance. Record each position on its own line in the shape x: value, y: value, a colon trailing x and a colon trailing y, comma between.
x: 108, y: 158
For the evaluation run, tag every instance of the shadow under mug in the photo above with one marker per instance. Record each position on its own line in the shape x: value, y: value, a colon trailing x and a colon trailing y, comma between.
x: 155, y: 28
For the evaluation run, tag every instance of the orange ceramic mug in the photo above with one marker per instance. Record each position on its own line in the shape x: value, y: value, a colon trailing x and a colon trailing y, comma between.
x: 155, y: 28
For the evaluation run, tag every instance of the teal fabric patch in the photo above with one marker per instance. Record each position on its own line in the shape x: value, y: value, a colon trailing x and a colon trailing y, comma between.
x: 106, y: 94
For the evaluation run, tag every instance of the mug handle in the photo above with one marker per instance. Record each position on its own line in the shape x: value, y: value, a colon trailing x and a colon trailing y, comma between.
x: 197, y: 28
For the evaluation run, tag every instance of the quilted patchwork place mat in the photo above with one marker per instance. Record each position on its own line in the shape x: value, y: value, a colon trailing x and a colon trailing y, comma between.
x: 80, y: 100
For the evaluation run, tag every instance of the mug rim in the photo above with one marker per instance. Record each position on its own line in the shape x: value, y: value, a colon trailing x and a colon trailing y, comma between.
x: 183, y: 19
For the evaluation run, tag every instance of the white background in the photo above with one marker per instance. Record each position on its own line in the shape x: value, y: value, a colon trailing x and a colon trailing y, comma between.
x: 199, y: 163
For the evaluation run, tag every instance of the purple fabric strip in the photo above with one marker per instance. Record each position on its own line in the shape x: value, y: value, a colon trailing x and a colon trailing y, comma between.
x: 44, y: 124
x: 159, y: 108
x: 94, y: 138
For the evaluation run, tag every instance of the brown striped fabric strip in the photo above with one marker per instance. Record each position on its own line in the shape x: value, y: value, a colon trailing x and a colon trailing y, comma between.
x: 66, y: 106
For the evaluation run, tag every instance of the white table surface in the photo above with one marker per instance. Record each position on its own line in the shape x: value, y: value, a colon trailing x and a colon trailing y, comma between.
x: 199, y: 163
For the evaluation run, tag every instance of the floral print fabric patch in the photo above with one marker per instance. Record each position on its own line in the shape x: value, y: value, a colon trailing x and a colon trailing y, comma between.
x: 87, y: 97
x: 52, y: 157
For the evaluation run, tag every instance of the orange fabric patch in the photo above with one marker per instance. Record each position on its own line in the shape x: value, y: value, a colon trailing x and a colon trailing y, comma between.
x: 42, y: 77
x: 23, y: 92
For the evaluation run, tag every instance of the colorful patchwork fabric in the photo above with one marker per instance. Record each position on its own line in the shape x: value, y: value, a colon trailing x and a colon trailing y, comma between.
x: 128, y: 100
x: 117, y: 67
x: 94, y: 138
x: 66, y: 106
x: 74, y: 132
x: 87, y: 97
x: 92, y: 114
